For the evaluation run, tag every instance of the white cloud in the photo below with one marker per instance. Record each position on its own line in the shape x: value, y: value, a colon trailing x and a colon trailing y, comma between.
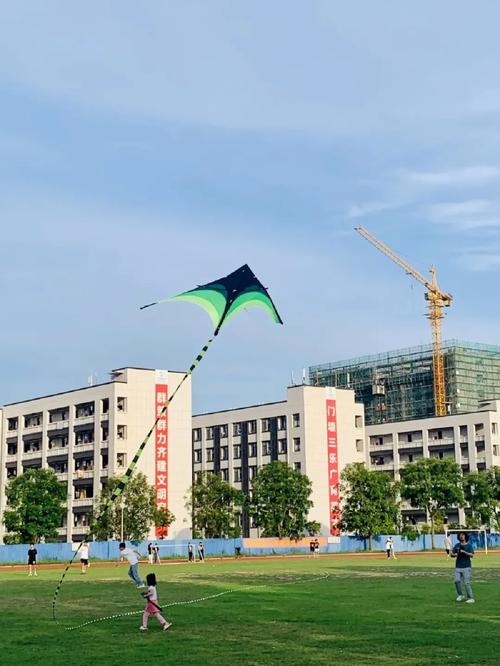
x: 482, y: 262
x: 467, y: 176
x: 371, y: 208
x: 453, y: 209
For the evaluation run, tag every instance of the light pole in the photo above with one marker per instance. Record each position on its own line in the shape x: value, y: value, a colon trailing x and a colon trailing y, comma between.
x: 122, y: 507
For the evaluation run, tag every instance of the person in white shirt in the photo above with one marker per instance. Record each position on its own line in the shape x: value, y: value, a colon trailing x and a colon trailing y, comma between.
x: 152, y: 607
x: 84, y: 556
x: 389, y: 548
x: 132, y: 556
x: 447, y: 545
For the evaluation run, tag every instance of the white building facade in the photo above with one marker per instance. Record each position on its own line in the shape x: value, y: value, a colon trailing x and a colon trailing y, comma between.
x: 471, y: 439
x: 90, y: 434
x: 317, y: 430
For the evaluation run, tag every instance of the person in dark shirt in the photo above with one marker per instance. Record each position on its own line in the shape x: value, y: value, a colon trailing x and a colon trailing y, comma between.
x: 463, y: 552
x: 201, y: 552
x: 190, y: 552
x: 32, y: 553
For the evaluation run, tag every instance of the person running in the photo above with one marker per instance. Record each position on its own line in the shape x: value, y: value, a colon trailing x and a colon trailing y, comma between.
x: 201, y: 552
x: 463, y: 552
x: 190, y: 553
x: 447, y: 545
x: 133, y: 557
x: 32, y: 554
x: 84, y: 556
x: 156, y: 554
x: 152, y: 607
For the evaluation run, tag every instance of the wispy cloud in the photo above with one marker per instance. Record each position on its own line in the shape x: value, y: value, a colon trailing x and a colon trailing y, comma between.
x: 372, y: 208
x: 467, y: 176
x: 466, y: 215
x: 481, y: 262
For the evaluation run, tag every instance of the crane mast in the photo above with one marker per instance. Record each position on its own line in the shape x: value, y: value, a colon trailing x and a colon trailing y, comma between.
x: 436, y: 301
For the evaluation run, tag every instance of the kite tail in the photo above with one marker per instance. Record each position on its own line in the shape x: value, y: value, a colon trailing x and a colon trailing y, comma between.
x: 126, y: 477
x: 56, y: 593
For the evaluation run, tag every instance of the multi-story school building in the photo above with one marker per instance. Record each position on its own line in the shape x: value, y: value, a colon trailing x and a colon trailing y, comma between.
x: 89, y: 434
x: 316, y: 430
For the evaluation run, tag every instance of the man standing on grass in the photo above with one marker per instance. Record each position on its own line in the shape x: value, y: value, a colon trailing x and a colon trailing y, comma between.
x: 32, y: 553
x: 463, y: 552
x: 132, y: 556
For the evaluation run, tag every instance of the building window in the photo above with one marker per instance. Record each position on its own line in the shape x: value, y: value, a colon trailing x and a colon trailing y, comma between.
x: 84, y: 437
x: 84, y: 410
x: 58, y: 415
x: 33, y: 420
x: 104, y: 458
x: 197, y: 435
x: 105, y: 405
x: 252, y: 427
x: 224, y: 452
x: 198, y: 477
x: 281, y: 422
x: 252, y: 471
x: 264, y: 423
x: 104, y: 433
x: 282, y: 447
x: 223, y: 430
x: 237, y: 474
x: 224, y: 473
x: 296, y: 420
x: 58, y: 442
x: 495, y: 450
x: 296, y: 444
x: 121, y: 404
x: 236, y: 429
x: 358, y: 421
x: 32, y: 446
x: 359, y: 445
x: 121, y: 432
x: 11, y: 449
x: 266, y: 448
x: 121, y: 459
x: 12, y: 424
x: 210, y: 455
x: 210, y: 432
x: 410, y: 437
x: 494, y: 428
x: 197, y: 455
x: 297, y: 466
x: 252, y: 450
x: 236, y: 451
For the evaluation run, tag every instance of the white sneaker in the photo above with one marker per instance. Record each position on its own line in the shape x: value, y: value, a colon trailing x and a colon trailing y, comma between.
x: 459, y: 598
x: 141, y: 628
x: 470, y: 601
x: 36, y: 573
x: 139, y: 586
x: 30, y: 574
x: 166, y: 626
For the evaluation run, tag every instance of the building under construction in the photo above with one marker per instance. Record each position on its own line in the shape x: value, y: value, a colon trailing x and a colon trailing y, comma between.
x: 399, y: 385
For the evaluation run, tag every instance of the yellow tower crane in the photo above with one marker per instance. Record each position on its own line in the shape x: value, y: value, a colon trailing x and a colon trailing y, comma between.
x: 436, y: 301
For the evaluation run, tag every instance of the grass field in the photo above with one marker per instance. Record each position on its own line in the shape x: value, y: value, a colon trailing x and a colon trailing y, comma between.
x: 329, y: 610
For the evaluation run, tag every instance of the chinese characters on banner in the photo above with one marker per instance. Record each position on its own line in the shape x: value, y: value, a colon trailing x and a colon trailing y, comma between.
x: 333, y: 466
x: 161, y: 453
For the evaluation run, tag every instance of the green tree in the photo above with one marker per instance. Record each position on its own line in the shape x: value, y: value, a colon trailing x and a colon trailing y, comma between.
x: 280, y: 501
x: 482, y: 495
x: 137, y: 505
x: 35, y: 505
x: 432, y: 484
x: 214, y: 505
x: 369, y: 502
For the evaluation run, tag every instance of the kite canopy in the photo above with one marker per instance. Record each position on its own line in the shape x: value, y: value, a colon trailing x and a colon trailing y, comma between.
x: 223, y: 298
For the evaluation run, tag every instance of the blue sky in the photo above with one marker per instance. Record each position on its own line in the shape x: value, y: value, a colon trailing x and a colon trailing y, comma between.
x: 149, y: 149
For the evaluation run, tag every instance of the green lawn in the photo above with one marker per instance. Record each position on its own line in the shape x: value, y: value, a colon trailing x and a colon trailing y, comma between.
x: 290, y: 611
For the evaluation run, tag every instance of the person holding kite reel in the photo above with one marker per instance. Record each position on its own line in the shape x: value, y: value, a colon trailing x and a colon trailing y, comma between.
x: 152, y: 607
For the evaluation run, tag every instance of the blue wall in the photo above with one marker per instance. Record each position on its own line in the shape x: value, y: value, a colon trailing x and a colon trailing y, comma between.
x: 108, y: 550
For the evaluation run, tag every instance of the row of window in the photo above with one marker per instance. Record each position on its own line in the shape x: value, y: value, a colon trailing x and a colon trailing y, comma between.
x: 82, y: 410
x: 252, y: 450
x: 237, y: 473
x: 265, y: 425
x: 82, y: 437
x: 80, y: 465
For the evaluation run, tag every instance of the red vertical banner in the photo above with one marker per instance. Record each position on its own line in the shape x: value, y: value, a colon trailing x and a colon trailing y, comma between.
x: 333, y: 465
x: 161, y: 453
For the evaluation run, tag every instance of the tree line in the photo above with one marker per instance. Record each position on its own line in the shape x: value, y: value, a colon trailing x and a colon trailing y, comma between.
x: 279, y: 503
x: 371, y: 500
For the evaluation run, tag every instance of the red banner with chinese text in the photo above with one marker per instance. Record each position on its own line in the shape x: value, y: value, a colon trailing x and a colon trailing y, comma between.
x: 161, y: 453
x: 333, y: 465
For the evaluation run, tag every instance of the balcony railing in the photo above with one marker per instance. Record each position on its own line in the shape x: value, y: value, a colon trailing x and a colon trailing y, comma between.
x: 57, y: 425
x: 415, y: 444
x: 32, y: 455
x: 376, y: 446
x: 445, y: 441
x: 83, y: 502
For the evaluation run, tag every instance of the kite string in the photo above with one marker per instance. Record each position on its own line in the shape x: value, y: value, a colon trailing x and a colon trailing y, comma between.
x: 190, y: 601
x: 126, y: 477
